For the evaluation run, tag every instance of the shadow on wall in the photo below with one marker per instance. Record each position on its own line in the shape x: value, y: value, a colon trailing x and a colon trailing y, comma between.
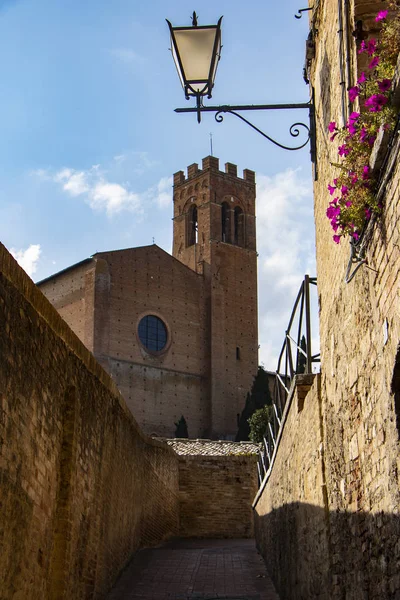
x: 315, y: 554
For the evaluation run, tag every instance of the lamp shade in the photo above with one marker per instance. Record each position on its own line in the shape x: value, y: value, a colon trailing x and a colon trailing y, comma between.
x: 196, y: 51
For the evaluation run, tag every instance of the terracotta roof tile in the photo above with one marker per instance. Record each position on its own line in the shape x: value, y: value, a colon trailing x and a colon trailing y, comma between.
x: 187, y: 447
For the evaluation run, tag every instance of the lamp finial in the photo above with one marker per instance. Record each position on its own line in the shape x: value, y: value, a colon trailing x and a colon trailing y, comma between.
x: 194, y: 19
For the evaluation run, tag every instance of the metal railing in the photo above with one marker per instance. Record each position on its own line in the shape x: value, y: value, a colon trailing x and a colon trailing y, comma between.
x: 295, y: 358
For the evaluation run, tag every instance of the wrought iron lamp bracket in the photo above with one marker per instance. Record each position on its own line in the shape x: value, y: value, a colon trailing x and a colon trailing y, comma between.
x: 294, y: 129
x: 301, y: 10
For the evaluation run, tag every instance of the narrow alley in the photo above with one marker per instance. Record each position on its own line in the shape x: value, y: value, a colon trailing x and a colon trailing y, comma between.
x: 189, y: 569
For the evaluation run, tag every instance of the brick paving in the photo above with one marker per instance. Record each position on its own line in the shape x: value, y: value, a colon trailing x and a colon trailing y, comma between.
x: 196, y: 570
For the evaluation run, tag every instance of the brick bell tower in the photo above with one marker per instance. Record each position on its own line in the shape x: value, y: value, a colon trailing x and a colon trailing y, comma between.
x: 215, y: 235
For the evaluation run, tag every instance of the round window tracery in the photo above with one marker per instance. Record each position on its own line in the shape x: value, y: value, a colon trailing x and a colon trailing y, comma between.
x: 153, y: 333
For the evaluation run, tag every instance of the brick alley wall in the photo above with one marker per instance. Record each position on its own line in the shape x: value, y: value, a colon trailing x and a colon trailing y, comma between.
x: 81, y: 487
x: 215, y: 496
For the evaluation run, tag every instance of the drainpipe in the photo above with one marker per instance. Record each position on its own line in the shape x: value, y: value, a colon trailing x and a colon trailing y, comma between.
x: 341, y: 66
x: 348, y: 46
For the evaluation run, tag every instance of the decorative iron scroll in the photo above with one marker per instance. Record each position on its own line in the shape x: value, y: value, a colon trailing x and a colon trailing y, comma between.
x: 293, y: 130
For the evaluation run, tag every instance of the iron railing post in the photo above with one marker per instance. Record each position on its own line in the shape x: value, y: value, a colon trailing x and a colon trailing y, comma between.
x: 308, y: 322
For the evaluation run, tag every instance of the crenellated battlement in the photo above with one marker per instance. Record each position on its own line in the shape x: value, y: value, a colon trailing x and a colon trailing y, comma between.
x: 211, y: 163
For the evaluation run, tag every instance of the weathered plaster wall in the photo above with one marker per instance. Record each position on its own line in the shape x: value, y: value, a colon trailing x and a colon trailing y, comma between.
x: 215, y: 496
x: 81, y: 487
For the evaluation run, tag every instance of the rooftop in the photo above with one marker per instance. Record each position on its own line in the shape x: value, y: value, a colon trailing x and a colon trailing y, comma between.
x: 186, y: 447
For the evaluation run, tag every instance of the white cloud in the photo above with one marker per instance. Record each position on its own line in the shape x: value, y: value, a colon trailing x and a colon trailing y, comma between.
x: 28, y: 258
x: 162, y: 192
x: 104, y: 193
x: 113, y: 198
x: 73, y: 182
x: 286, y: 246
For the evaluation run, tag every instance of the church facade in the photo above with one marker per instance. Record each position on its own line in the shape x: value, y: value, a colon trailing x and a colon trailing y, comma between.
x: 178, y: 333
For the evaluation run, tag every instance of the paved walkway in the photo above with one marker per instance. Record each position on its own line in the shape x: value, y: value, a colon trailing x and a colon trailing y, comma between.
x: 196, y: 569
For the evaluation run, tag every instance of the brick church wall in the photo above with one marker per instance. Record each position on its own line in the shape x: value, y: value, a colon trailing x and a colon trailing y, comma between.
x: 158, y: 388
x: 81, y: 487
x: 229, y: 268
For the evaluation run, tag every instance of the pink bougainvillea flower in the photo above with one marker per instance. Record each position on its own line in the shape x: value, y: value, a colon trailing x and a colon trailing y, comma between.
x: 344, y: 190
x: 382, y: 14
x: 362, y: 47
x: 348, y: 203
x: 355, y: 236
x: 354, y: 179
x: 335, y: 181
x: 363, y: 134
x: 331, y: 189
x: 352, y: 128
x: 362, y: 78
x: 353, y: 93
x: 332, y: 126
x: 332, y: 212
x: 384, y: 85
x: 333, y: 136
x: 376, y: 102
x: 367, y: 213
x: 343, y: 150
x: 374, y: 62
x: 371, y: 47
x: 334, y: 224
x: 365, y: 173
x: 336, y: 239
x: 351, y: 123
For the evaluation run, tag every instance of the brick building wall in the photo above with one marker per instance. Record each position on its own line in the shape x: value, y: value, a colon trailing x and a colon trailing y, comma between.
x: 217, y: 483
x: 224, y: 252
x: 81, y: 487
x: 206, y: 296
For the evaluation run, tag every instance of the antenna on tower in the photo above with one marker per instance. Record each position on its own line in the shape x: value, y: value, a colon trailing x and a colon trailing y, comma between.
x: 211, y: 149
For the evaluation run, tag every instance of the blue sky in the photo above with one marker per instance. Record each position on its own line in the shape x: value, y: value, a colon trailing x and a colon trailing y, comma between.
x: 89, y: 139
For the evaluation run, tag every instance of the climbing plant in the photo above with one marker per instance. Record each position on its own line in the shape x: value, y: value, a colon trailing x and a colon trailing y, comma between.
x: 354, y: 189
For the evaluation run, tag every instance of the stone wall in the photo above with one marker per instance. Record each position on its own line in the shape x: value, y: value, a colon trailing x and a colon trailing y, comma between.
x: 81, y: 487
x: 215, y: 495
x: 360, y: 356
x: 360, y: 336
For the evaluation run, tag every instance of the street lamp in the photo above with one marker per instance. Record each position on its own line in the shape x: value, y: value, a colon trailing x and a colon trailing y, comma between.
x: 196, y: 51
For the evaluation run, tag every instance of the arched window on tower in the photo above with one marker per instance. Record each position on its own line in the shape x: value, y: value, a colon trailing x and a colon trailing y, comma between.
x: 192, y: 226
x: 225, y: 237
x: 238, y: 226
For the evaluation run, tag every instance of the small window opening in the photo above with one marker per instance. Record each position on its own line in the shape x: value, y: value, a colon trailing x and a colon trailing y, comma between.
x: 237, y: 353
x: 238, y: 227
x: 193, y: 226
x: 395, y: 389
x: 224, y: 222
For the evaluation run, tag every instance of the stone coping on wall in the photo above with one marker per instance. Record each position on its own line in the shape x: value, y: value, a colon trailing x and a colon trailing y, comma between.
x: 199, y: 447
x: 301, y: 384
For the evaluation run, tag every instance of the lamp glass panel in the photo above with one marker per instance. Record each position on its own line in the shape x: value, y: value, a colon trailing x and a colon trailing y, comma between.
x: 195, y: 47
x: 174, y: 56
